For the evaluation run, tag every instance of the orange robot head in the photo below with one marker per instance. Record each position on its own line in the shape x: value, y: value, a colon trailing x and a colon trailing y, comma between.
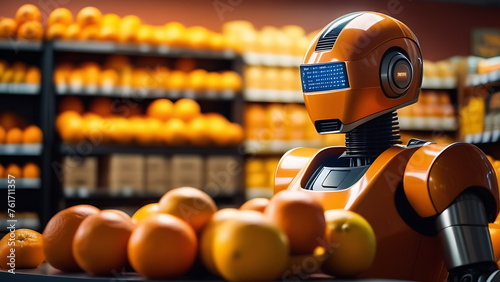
x: 360, y: 66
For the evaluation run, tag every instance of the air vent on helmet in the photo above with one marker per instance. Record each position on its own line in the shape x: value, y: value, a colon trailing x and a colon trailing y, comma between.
x: 327, y: 125
x: 329, y: 36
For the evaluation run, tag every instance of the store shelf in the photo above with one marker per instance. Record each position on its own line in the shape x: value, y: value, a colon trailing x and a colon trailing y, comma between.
x: 31, y: 223
x: 275, y: 96
x: 439, y: 83
x: 427, y: 123
x: 21, y: 183
x: 20, y: 45
x: 87, y: 150
x: 144, y: 93
x: 271, y: 60
x: 20, y: 88
x: 483, y: 137
x: 108, y: 47
x: 483, y: 78
x: 277, y: 146
x: 20, y: 149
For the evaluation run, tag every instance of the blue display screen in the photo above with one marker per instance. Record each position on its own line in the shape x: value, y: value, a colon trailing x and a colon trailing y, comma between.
x: 324, y: 77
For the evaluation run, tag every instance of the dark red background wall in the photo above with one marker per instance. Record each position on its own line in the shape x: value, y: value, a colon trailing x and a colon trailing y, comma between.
x: 444, y: 29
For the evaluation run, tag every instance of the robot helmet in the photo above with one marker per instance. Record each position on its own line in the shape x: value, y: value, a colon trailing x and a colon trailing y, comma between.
x: 360, y: 66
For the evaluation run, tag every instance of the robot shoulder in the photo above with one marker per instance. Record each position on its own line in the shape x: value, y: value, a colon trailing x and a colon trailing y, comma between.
x: 437, y: 174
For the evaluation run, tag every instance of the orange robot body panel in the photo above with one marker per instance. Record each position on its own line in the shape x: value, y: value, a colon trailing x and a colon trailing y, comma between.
x: 437, y: 174
x: 400, y: 254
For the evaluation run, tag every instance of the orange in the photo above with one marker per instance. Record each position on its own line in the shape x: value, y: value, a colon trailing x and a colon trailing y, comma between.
x: 198, y: 131
x: 234, y: 133
x: 206, y: 251
x: 92, y: 128
x: 161, y: 109
x: 33, y: 75
x: 109, y: 77
x: 28, y: 249
x: 128, y: 28
x: 59, y: 233
x: 30, y: 30
x: 102, y: 106
x: 190, y: 204
x: 256, y: 204
x: 177, y: 80
x: 120, y: 131
x: 174, y: 132
x: 72, y: 32
x: 10, y: 120
x: 100, y: 242
x: 108, y: 32
x: 217, y: 41
x: 8, y: 28
x: 214, y: 81
x: 60, y: 16
x: 351, y: 243
x: 175, y: 34
x: 28, y: 12
x: 495, y: 239
x: 147, y: 133
x: 13, y: 170
x: 250, y: 248
x: 144, y: 34
x: 71, y: 103
x: 186, y: 109
x: 2, y: 172
x: 89, y: 16
x: 217, y: 129
x: 197, y: 80
x: 110, y: 20
x: 300, y: 216
x: 32, y: 134
x: 3, y: 134
x: 89, y: 32
x: 162, y: 246
x: 14, y: 136
x: 64, y: 117
x: 31, y: 170
x: 144, y: 212
x: 198, y: 37
x: 231, y: 80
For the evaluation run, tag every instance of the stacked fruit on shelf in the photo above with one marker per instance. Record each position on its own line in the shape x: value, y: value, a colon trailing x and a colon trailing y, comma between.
x: 265, y: 83
x: 118, y: 75
x: 18, y: 77
x: 472, y: 118
x: 259, y: 177
x: 28, y: 170
x: 15, y: 130
x: 433, y: 111
x: 441, y: 74
x: 113, y: 121
x: 25, y: 25
x: 269, y: 46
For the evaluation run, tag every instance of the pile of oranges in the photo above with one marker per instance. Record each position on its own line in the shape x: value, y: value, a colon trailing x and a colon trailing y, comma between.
x: 28, y: 170
x: 185, y: 233
x: 14, y: 130
x: 26, y: 24
x: 19, y: 72
x: 109, y: 121
x: 118, y: 75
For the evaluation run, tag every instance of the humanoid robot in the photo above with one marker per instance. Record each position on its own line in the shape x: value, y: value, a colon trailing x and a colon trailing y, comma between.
x: 428, y: 204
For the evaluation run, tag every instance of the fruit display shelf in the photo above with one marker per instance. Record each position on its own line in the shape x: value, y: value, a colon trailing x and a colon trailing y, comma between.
x: 109, y: 47
x: 20, y: 149
x: 88, y: 149
x: 46, y: 273
x: 20, y: 45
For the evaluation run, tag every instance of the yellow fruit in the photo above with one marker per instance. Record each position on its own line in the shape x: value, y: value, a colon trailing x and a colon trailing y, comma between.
x: 250, y: 249
x: 351, y: 243
x: 144, y: 212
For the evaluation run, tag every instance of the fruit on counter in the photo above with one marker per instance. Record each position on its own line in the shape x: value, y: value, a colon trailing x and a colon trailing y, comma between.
x: 250, y: 248
x: 351, y: 244
x: 256, y: 204
x: 100, y: 242
x: 162, y: 246
x: 28, y: 245
x: 300, y: 216
x: 144, y: 212
x: 59, y: 233
x: 190, y: 204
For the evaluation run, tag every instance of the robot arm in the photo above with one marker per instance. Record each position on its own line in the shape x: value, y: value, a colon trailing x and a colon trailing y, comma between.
x: 457, y: 185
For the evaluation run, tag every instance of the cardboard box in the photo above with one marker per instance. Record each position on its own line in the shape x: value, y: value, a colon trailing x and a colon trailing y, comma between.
x: 187, y: 170
x: 157, y: 174
x: 223, y: 175
x: 123, y: 173
x: 79, y: 173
